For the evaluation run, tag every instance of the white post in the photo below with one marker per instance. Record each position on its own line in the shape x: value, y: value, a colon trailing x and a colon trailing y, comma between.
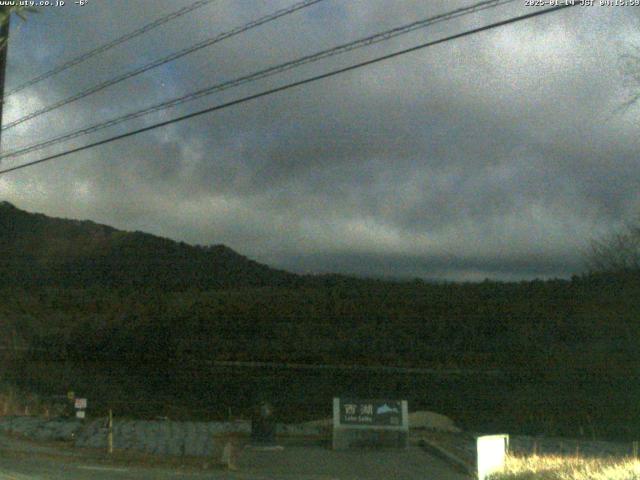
x: 404, y: 436
x: 492, y: 452
x: 337, y: 431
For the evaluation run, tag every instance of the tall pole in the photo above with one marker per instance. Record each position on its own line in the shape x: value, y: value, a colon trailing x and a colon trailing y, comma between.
x: 4, y: 38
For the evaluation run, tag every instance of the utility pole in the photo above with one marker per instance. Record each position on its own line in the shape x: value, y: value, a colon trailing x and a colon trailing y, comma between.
x: 4, y: 38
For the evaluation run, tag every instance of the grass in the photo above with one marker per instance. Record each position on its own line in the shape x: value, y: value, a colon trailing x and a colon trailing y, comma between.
x: 553, y: 467
x: 14, y: 401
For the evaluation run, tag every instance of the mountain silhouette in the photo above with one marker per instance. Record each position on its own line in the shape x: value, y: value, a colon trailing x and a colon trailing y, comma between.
x: 40, y: 251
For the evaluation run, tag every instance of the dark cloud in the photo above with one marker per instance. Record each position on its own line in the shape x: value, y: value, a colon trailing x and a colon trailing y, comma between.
x: 498, y: 155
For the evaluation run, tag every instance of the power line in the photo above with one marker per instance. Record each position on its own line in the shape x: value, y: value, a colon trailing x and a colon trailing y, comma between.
x: 347, y: 47
x: 162, y: 61
x: 107, y: 46
x: 294, y: 84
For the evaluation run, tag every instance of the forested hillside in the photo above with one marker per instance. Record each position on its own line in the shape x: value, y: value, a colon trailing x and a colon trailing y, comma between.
x: 81, y: 294
x: 37, y: 251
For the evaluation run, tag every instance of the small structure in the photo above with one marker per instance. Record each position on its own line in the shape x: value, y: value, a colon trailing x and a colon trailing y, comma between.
x: 263, y: 427
x: 364, y: 423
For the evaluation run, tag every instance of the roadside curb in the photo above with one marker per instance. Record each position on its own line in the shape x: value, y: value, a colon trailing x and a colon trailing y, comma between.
x: 459, y: 463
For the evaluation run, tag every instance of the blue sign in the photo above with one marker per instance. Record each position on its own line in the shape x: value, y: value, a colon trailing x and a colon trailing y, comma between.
x: 380, y: 413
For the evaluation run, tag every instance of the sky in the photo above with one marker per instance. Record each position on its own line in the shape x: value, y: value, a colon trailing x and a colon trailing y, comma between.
x: 499, y: 155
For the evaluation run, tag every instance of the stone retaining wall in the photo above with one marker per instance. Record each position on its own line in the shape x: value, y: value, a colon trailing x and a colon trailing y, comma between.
x: 41, y: 429
x: 199, y: 439
x: 161, y: 437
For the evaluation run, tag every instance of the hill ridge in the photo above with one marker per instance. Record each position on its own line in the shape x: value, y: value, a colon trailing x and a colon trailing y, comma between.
x: 38, y: 250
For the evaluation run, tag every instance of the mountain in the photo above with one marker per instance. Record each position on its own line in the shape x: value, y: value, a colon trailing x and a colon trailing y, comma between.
x: 40, y: 251
x: 557, y: 340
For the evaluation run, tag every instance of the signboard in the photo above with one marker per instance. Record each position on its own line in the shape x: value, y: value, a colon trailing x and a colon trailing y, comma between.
x: 71, y: 395
x: 380, y: 413
x: 80, y: 414
x: 370, y: 422
x: 492, y: 452
x: 81, y: 403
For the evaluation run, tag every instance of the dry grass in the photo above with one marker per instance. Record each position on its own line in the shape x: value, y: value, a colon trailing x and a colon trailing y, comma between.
x: 8, y: 402
x: 16, y: 402
x: 550, y: 467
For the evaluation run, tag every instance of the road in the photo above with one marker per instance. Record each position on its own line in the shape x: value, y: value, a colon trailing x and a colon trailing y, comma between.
x: 26, y: 461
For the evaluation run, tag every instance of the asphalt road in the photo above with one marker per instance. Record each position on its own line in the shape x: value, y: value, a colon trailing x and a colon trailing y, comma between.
x: 26, y: 461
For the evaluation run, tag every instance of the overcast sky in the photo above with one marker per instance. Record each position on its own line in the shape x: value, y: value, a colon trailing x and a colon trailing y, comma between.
x: 498, y: 155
